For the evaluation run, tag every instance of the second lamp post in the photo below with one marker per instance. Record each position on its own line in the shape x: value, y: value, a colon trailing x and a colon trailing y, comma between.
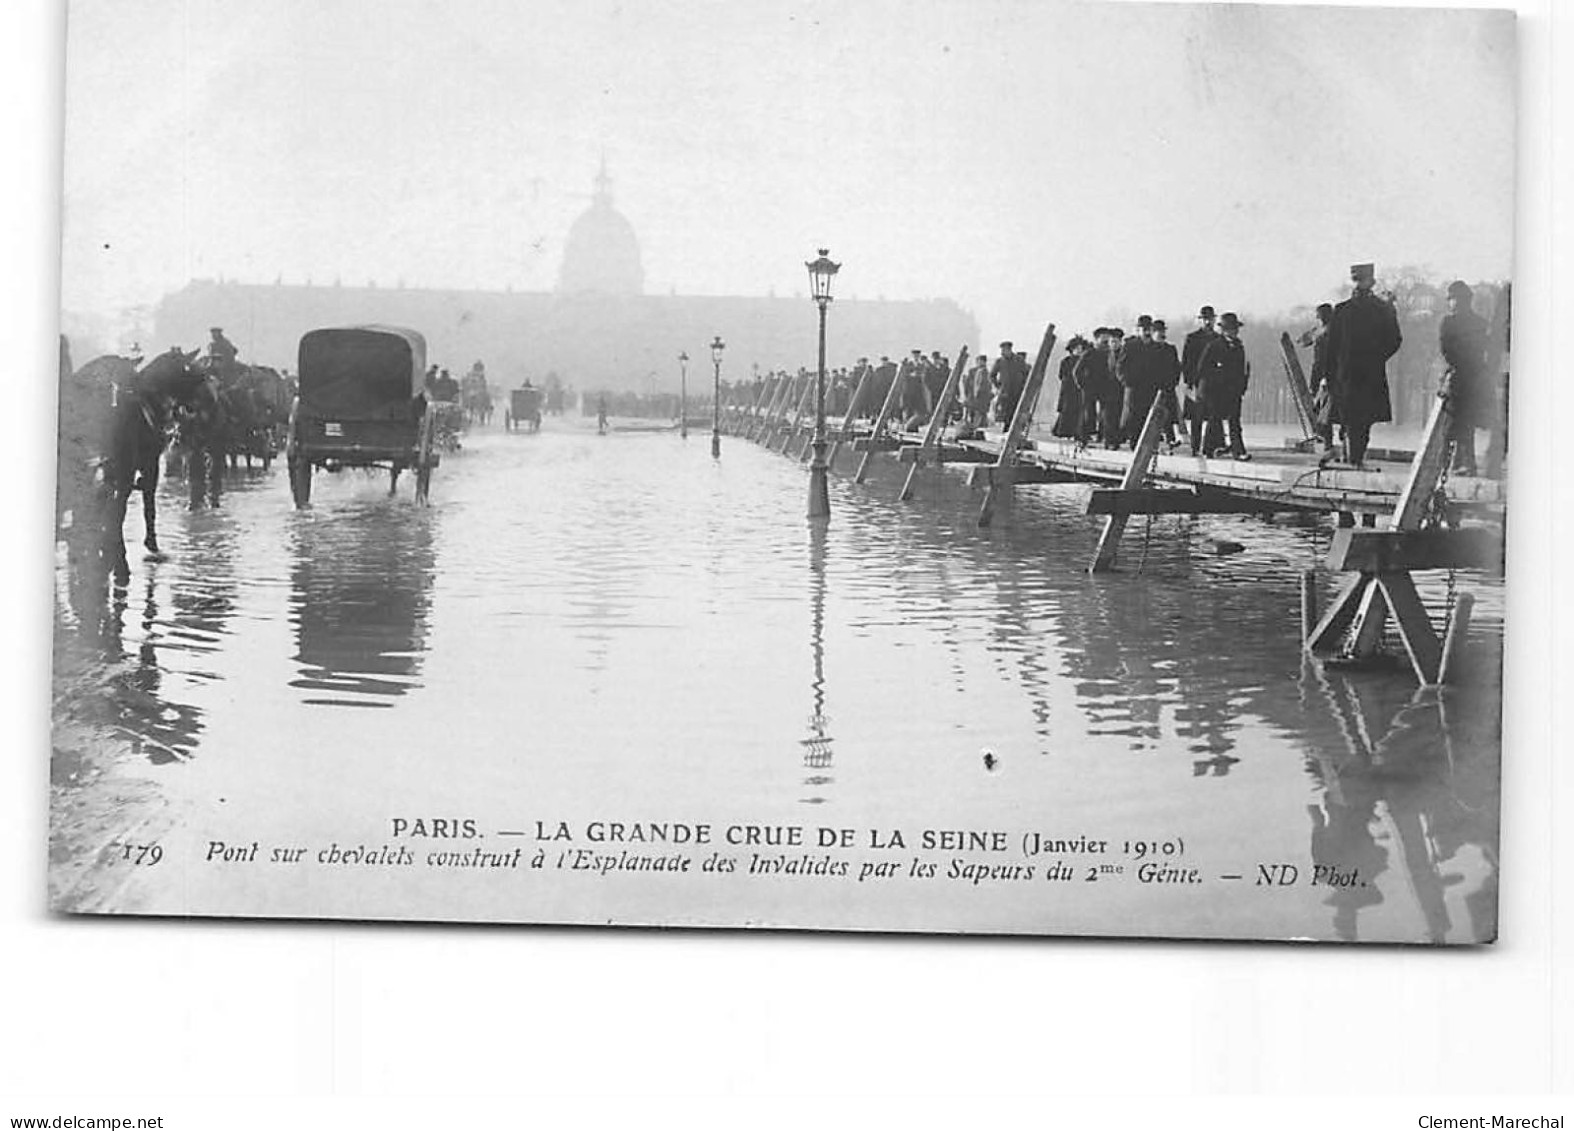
x: 683, y: 395
x: 821, y: 272
x: 716, y: 346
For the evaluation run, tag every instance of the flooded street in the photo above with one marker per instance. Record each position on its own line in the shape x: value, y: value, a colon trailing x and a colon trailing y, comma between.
x: 587, y: 630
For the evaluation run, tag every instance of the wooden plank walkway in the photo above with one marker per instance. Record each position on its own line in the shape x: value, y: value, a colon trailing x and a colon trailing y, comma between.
x: 1273, y: 476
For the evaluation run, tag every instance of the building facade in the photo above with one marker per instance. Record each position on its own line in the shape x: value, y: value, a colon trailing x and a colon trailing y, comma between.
x: 598, y: 329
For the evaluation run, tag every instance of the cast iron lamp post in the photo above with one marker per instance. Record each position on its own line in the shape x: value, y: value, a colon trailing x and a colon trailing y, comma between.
x: 683, y: 395
x: 716, y: 346
x: 821, y: 272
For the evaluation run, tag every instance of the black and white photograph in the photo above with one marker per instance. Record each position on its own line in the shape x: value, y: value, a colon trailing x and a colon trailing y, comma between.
x: 757, y: 562
x: 1017, y: 469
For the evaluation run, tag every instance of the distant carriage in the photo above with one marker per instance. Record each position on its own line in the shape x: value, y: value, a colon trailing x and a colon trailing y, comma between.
x: 524, y: 408
x: 360, y: 403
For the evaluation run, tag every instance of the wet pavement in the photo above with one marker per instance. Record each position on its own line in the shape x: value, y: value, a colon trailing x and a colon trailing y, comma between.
x: 595, y: 628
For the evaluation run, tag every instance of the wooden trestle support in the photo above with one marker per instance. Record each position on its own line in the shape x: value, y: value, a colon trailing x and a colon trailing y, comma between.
x: 1380, y: 561
x: 1002, y: 473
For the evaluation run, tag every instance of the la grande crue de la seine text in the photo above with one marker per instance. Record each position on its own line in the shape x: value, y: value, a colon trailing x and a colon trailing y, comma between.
x: 605, y: 847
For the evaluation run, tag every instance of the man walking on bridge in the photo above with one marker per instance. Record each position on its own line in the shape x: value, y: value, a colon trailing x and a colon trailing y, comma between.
x: 1191, y: 357
x: 1362, y: 335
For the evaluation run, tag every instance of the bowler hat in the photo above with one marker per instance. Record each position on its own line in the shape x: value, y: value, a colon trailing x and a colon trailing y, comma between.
x: 1205, y: 312
x: 1145, y: 320
x: 1158, y: 324
x: 1460, y: 289
x: 1229, y: 320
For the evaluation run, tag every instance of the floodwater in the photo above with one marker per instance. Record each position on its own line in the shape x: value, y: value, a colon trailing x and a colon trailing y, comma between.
x: 594, y: 629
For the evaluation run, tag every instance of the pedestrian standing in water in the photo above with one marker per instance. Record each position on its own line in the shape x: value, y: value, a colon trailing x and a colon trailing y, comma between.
x: 1362, y: 335
x: 1462, y: 338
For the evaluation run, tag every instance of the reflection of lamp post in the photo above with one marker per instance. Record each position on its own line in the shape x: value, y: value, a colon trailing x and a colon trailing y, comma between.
x: 683, y: 395
x: 817, y: 751
x: 821, y: 271
x: 716, y: 346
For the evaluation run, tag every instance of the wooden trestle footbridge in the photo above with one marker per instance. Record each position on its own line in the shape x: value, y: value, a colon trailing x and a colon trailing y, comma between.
x: 1413, y: 514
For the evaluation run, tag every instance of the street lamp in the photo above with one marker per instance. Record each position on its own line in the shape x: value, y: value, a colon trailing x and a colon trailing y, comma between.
x: 821, y: 272
x: 716, y: 346
x: 683, y: 395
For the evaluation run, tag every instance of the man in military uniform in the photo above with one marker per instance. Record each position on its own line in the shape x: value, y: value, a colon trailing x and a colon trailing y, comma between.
x: 1362, y: 335
x: 1462, y: 338
x: 1191, y: 357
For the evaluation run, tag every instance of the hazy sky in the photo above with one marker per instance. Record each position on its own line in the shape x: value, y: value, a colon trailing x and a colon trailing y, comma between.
x: 1035, y: 161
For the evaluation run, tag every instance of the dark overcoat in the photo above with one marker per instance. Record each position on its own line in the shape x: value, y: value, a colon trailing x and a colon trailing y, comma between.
x: 1362, y: 336
x: 1462, y: 338
x: 1221, y: 378
x: 1068, y: 405
x: 1136, y: 368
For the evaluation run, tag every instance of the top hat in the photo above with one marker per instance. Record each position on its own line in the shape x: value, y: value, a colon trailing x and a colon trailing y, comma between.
x: 1363, y: 271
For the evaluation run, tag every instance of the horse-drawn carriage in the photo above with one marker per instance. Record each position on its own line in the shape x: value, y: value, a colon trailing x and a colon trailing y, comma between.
x: 360, y: 404
x: 524, y: 409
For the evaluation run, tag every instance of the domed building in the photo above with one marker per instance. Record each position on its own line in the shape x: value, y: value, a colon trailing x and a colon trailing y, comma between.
x: 602, y: 252
x: 597, y: 329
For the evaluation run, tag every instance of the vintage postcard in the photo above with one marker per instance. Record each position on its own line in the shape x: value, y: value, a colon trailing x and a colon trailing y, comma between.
x: 1005, y: 468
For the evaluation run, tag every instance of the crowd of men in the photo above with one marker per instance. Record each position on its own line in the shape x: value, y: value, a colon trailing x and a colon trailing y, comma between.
x: 1110, y: 380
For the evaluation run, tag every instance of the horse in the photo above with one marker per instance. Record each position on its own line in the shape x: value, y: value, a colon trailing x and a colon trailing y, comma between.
x: 146, y: 401
x: 256, y: 407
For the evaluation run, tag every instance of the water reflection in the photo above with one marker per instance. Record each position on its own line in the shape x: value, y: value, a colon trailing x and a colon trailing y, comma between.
x: 1407, y: 797
x: 360, y: 595
x: 158, y: 725
x: 115, y: 661
x: 817, y: 753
